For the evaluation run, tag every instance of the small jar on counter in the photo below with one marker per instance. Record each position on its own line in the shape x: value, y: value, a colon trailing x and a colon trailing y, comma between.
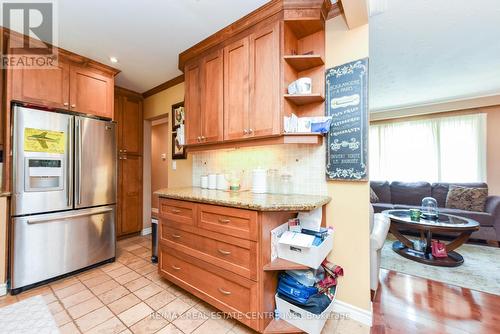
x: 286, y: 184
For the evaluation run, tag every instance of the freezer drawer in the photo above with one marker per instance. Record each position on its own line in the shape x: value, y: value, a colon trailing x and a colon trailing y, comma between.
x: 95, y: 162
x: 50, y: 245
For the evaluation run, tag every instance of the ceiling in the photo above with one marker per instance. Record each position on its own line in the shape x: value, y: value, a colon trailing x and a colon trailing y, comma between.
x: 146, y: 36
x: 428, y: 51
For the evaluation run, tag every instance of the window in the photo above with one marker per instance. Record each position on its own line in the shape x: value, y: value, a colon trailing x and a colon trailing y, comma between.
x: 447, y: 149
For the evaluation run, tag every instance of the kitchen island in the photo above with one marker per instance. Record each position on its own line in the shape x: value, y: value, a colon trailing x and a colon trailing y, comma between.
x: 217, y: 245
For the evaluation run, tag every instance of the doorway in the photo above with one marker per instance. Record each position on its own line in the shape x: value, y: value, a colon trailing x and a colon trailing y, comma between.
x: 159, y: 159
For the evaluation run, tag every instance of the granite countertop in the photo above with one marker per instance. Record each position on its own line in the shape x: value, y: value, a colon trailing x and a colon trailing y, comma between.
x: 246, y: 199
x: 5, y: 194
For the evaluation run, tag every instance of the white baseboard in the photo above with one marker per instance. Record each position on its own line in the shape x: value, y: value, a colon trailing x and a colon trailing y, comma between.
x: 355, y: 313
x: 146, y: 231
x: 3, y: 289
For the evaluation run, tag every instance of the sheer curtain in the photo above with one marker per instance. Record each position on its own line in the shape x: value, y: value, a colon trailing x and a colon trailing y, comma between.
x: 448, y: 149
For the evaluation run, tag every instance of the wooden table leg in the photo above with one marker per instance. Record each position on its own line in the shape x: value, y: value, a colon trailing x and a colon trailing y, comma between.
x: 400, y: 237
x: 459, y: 241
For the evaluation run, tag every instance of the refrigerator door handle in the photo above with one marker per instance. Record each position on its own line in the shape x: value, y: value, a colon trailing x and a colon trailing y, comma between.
x: 68, y: 216
x: 78, y: 161
x: 69, y: 169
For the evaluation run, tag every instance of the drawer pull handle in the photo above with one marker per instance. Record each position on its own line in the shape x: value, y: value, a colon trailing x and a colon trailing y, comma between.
x: 224, y: 292
x: 224, y: 221
x: 176, y: 211
x: 176, y: 236
x: 176, y: 268
x: 224, y: 252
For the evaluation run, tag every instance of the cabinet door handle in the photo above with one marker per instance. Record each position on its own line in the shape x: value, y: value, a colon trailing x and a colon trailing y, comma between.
x: 124, y: 151
x: 176, y: 236
x: 175, y: 267
x: 198, y: 139
x: 73, y: 106
x: 224, y: 221
x: 224, y: 292
x: 176, y: 211
x: 250, y: 131
x: 66, y: 104
x: 224, y: 252
x: 245, y: 131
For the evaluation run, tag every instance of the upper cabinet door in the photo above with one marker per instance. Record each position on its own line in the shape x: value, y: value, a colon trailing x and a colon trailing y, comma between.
x: 265, y: 113
x: 131, y: 125
x: 192, y: 100
x: 46, y: 87
x: 236, y: 89
x: 212, y: 108
x: 91, y: 92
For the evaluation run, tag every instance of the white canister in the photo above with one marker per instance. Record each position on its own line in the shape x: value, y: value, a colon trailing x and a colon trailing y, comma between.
x: 204, y: 181
x: 259, y: 181
x: 222, y: 183
x: 212, y: 181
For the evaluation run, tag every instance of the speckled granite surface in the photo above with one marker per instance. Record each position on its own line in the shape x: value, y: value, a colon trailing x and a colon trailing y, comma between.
x: 246, y: 199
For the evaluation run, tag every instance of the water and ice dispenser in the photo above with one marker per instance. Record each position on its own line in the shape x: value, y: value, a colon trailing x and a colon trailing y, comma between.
x: 43, y: 174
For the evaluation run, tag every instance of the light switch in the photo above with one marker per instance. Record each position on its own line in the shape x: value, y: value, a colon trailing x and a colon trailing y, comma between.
x: 163, y: 156
x: 174, y: 165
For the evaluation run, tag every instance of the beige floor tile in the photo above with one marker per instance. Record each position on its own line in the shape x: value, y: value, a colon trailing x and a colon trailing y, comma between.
x: 149, y: 268
x: 77, y: 298
x: 94, y: 318
x: 86, y: 275
x: 148, y: 291
x: 127, y: 277
x: 97, y: 280
x: 188, y: 298
x: 55, y: 307
x: 175, y: 290
x: 205, y: 308
x: 159, y: 300
x: 62, y: 318
x: 103, y: 287
x: 64, y: 283
x: 349, y: 326
x: 124, y: 303
x: 112, y: 295
x: 111, y: 266
x: 135, y: 314
x: 330, y: 326
x: 242, y: 329
x: 131, y: 247
x: 70, y: 290
x: 214, y: 326
x: 190, y: 320
x: 118, y: 272
x: 40, y: 291
x: 111, y: 326
x: 127, y: 331
x: 69, y: 328
x: 173, y: 310
x: 127, y: 258
x: 171, y: 329
x: 139, y: 250
x: 49, y: 298
x: 137, y: 264
x: 149, y: 325
x: 85, y: 307
x: 137, y: 284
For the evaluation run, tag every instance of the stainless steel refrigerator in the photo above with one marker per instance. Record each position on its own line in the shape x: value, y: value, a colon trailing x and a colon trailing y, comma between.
x: 64, y: 194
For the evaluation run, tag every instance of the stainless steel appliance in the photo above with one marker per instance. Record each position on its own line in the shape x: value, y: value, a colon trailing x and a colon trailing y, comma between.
x: 64, y: 194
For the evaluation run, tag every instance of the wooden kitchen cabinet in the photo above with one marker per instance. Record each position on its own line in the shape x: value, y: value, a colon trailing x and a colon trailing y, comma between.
x: 236, y: 89
x: 129, y: 117
x: 204, y: 100
x: 129, y: 195
x: 91, y: 92
x: 46, y: 87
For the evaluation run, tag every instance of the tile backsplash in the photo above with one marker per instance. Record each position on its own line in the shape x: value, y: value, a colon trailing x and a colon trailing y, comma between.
x: 306, y: 163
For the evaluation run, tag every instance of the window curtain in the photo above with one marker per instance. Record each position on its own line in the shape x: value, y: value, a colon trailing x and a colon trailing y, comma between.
x: 447, y: 149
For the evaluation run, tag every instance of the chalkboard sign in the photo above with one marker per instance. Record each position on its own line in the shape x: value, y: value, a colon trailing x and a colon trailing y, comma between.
x: 347, y: 103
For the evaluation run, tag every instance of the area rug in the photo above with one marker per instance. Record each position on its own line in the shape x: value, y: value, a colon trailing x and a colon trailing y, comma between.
x: 28, y: 316
x: 480, y: 270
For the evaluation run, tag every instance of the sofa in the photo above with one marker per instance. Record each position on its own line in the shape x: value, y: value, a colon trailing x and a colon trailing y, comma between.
x: 406, y: 195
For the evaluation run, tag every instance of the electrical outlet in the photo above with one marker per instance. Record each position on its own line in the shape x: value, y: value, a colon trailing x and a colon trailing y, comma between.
x: 174, y: 165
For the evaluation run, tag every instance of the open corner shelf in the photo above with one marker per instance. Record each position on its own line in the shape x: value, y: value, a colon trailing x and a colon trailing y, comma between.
x: 304, y: 62
x: 282, y: 264
x: 302, y: 99
x: 277, y: 326
x: 304, y: 27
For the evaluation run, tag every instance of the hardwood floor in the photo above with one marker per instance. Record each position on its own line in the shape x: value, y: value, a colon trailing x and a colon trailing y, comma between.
x: 409, y: 304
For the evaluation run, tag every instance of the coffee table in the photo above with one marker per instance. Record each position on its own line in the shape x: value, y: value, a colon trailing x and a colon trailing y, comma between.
x: 401, y: 220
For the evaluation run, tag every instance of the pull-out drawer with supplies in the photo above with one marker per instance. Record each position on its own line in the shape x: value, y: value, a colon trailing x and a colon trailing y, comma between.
x: 233, y: 254
x: 228, y: 292
x: 178, y: 211
x: 236, y: 222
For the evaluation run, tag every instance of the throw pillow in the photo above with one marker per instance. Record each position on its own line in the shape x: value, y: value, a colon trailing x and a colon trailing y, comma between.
x: 469, y: 199
x: 373, y: 196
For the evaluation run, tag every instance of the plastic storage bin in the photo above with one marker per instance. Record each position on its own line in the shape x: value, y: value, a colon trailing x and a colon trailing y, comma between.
x: 308, y: 322
x: 307, y: 256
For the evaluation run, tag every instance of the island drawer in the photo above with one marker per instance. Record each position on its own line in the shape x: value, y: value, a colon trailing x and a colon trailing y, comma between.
x: 235, y: 222
x: 178, y: 211
x: 221, y: 288
x: 233, y: 254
